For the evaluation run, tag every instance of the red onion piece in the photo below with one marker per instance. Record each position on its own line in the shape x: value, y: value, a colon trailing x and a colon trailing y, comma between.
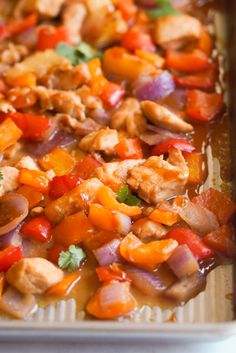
x: 108, y: 253
x: 60, y: 138
x: 147, y: 282
x: 13, y: 237
x: 87, y: 126
x: 182, y: 262
x: 13, y: 209
x: 17, y: 304
x: 100, y: 116
x: 123, y: 223
x: 198, y: 218
x: 155, y: 135
x: 187, y: 288
x: 154, y: 88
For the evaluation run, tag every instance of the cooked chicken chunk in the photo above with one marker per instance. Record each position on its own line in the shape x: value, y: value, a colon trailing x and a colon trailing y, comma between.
x: 145, y: 228
x: 114, y: 174
x: 103, y: 140
x: 66, y: 102
x: 73, y: 18
x: 33, y: 275
x: 48, y: 8
x: 6, y: 107
x: 175, y: 30
x: 27, y: 162
x: 96, y: 5
x: 12, y: 53
x: 164, y: 118
x: 158, y: 179
x: 9, y: 180
x: 129, y: 117
x: 91, y: 101
x: 80, y: 128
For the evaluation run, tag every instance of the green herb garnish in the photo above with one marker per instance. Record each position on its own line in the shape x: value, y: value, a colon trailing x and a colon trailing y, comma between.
x: 77, y: 55
x: 124, y: 196
x: 71, y: 260
x: 165, y: 8
x: 1, y: 176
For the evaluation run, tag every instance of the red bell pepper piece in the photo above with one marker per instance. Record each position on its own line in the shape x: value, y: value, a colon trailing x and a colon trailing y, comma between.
x: 9, y: 256
x: 15, y: 27
x: 135, y: 39
x: 62, y: 184
x: 127, y: 8
x: 218, y: 203
x: 164, y: 147
x: 222, y: 240
x: 4, y: 33
x: 86, y: 167
x: 202, y: 80
x: 34, y: 127
x: 112, y: 94
x: 185, y: 236
x: 187, y: 62
x: 38, y: 228
x: 129, y: 149
x: 202, y: 106
x: 54, y: 252
x: 111, y: 273
x: 49, y: 37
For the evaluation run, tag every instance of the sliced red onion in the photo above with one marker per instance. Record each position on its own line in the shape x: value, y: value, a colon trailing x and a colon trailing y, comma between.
x: 13, y: 209
x: 155, y: 135
x: 154, y: 88
x: 147, y: 282
x: 100, y: 116
x: 87, y: 126
x: 182, y: 262
x: 17, y: 304
x: 108, y: 253
x: 198, y: 218
x: 60, y: 138
x: 187, y: 288
x: 13, y: 237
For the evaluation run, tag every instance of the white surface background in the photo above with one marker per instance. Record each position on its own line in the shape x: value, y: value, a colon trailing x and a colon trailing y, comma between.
x: 228, y: 346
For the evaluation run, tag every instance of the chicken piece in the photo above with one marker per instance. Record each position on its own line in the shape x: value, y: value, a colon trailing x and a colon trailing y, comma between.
x: 80, y: 128
x: 27, y: 162
x: 38, y: 63
x: 174, y: 31
x: 114, y: 174
x: 91, y: 101
x: 66, y: 102
x: 33, y: 275
x: 73, y: 18
x: 6, y: 107
x: 164, y: 118
x: 12, y: 53
x: 129, y: 117
x: 145, y: 228
x: 47, y: 8
x: 97, y: 5
x: 65, y: 77
x: 157, y: 179
x: 103, y: 140
x: 9, y: 180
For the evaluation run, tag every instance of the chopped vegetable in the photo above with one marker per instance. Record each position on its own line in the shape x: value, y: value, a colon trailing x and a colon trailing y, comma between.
x: 213, y: 200
x: 148, y: 255
x: 49, y: 37
x: 111, y: 273
x: 124, y: 196
x: 205, y: 42
x: 54, y: 252
x: 108, y: 253
x: 203, y: 80
x: 63, y: 288
x: 16, y: 27
x: 166, y: 145
x: 222, y: 241
x: 86, y: 167
x: 129, y: 149
x: 202, y: 106
x: 182, y: 262
x: 164, y: 217
x: 9, y: 256
x: 195, y: 163
x: 34, y: 178
x: 59, y: 185
x: 112, y: 94
x: 33, y: 196
x: 152, y: 58
x: 187, y: 62
x: 28, y: 79
x: 38, y: 228
x: 78, y: 55
x: 9, y: 134
x: 127, y: 8
x: 72, y: 259
x: 135, y: 38
x: 192, y: 240
x: 165, y: 8
x: 58, y: 160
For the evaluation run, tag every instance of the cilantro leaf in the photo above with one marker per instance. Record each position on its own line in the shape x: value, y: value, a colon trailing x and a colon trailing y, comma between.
x: 165, y: 8
x: 124, y: 196
x: 71, y: 260
x: 77, y: 55
x: 1, y: 176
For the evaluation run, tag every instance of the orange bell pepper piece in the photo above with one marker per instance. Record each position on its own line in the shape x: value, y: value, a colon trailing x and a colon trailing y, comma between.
x: 218, y: 203
x: 120, y: 301
x: 148, y: 255
x: 165, y: 217
x: 97, y: 81
x: 63, y: 288
x: 101, y: 217
x: 127, y: 8
x: 195, y: 163
x: 73, y: 229
x: 59, y: 160
x: 205, y: 42
x: 118, y: 61
x: 136, y: 38
x: 152, y: 58
x: 9, y: 134
x: 21, y: 100
x: 28, y: 79
x: 86, y: 167
x: 107, y: 198
x: 129, y: 149
x: 222, y: 240
x: 33, y: 196
x: 97, y: 239
x: 2, y: 282
x: 187, y: 62
x: 35, y: 178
